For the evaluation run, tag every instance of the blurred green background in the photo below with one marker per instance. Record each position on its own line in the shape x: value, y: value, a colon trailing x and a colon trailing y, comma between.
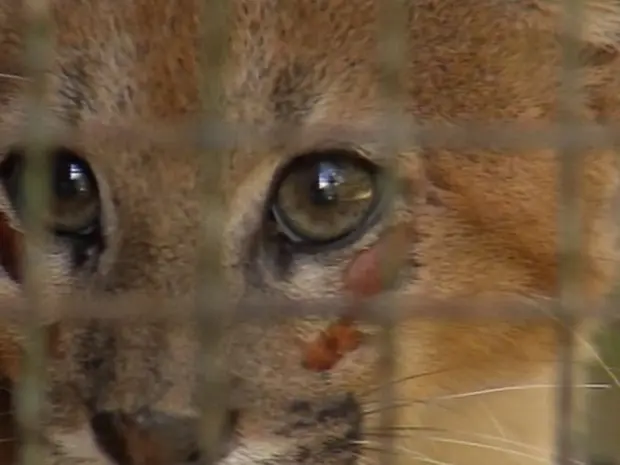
x: 603, y: 441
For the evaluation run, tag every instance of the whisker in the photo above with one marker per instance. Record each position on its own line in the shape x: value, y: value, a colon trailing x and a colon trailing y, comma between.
x: 494, y: 448
x: 504, y: 439
x: 382, y: 407
x: 598, y: 358
x: 404, y: 403
x: 608, y: 370
x: 408, y: 428
x: 593, y: 350
x: 385, y: 435
x: 364, y: 460
x: 541, y: 457
x: 362, y: 442
x: 514, y: 388
x: 14, y: 77
x: 403, y: 379
x: 404, y: 451
x: 389, y: 432
x: 478, y: 435
x: 493, y: 418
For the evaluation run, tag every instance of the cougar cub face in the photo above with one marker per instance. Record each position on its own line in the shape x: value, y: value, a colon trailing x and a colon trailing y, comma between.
x: 305, y: 217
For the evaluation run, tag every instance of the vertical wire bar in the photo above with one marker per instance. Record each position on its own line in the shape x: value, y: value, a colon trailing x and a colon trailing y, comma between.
x: 569, y: 227
x: 392, y: 57
x: 212, y: 285
x: 31, y: 385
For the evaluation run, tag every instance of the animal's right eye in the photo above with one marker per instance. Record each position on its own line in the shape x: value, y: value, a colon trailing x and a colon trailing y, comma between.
x: 75, y: 204
x: 74, y: 212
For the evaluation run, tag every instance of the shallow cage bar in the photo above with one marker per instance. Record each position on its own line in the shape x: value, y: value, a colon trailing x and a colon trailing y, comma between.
x: 570, y: 136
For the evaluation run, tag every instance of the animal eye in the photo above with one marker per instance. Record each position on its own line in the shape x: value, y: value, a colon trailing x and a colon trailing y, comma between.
x: 74, y: 205
x: 320, y: 198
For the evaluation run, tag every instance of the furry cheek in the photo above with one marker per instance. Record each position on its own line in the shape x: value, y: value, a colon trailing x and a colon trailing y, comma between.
x: 361, y: 279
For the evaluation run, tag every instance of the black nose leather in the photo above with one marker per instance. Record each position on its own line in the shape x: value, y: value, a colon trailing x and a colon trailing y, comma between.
x: 173, y: 440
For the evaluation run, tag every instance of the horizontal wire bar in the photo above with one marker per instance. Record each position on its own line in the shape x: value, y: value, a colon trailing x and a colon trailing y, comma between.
x: 507, y: 137
x: 395, y: 307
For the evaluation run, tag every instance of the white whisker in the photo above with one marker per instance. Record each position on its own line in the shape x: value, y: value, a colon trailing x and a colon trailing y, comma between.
x: 598, y: 358
x: 408, y: 428
x: 494, y: 448
x: 515, y: 388
x: 381, y: 408
x: 493, y: 438
x: 496, y: 423
x: 403, y: 379
x: 13, y: 76
x: 389, y: 432
x: 364, y: 460
x: 490, y: 437
x: 399, y: 404
x: 493, y: 418
x: 503, y: 439
x: 406, y: 451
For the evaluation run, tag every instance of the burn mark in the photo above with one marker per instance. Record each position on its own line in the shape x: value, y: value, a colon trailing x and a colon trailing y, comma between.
x: 363, y: 278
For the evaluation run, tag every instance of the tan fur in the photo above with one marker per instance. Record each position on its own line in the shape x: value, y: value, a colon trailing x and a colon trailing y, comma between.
x: 483, y: 226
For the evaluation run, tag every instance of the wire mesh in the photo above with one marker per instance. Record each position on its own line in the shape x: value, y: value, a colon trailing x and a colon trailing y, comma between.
x: 570, y: 136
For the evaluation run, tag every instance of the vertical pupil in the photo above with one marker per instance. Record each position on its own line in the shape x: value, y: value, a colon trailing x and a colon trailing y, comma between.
x: 326, y: 179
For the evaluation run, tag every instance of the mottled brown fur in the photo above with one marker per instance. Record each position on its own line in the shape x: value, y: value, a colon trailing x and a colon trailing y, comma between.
x: 482, y: 224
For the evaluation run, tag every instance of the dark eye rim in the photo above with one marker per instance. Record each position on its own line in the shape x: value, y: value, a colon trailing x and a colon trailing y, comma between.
x: 375, y: 211
x: 14, y: 158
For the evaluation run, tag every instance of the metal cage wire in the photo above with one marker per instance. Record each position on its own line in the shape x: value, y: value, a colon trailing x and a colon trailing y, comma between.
x: 569, y: 137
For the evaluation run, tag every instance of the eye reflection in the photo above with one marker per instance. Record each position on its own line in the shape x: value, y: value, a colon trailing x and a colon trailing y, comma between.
x: 325, y: 189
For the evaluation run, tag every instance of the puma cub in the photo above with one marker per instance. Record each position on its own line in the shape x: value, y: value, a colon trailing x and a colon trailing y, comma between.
x: 305, y: 218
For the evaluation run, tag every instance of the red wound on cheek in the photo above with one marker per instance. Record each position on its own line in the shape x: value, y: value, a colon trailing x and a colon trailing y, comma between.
x: 361, y: 279
x: 10, y: 249
x: 331, y: 345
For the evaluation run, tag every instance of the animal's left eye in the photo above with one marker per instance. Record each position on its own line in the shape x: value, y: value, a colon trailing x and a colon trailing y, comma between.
x: 324, y: 197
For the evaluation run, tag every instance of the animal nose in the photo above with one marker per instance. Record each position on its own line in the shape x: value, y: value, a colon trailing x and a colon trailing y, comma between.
x: 175, y: 436
x: 154, y: 438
